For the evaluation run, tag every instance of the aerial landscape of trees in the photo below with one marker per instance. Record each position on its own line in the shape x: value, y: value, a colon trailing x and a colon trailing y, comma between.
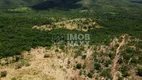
x: 115, y: 18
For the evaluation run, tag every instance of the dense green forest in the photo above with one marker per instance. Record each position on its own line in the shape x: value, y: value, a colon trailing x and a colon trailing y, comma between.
x: 16, y: 33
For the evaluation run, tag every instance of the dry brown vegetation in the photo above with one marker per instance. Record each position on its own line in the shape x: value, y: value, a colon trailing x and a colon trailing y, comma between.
x: 81, y: 24
x: 78, y: 63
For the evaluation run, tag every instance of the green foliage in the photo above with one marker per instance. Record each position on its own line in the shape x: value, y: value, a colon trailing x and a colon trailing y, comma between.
x: 78, y: 53
x: 111, y: 55
x: 139, y: 71
x: 106, y: 73
x: 3, y: 74
x: 57, y: 50
x: 84, y: 66
x: 129, y: 53
x: 108, y: 62
x: 20, y: 36
x: 90, y: 74
x: 97, y: 66
x: 117, y: 45
x: 62, y: 47
x: 116, y: 17
x: 14, y: 78
x: 78, y: 66
x: 120, y: 78
x: 83, y: 56
x: 124, y: 69
x: 125, y: 73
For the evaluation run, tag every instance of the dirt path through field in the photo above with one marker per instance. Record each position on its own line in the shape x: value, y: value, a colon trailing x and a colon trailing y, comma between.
x: 116, y: 58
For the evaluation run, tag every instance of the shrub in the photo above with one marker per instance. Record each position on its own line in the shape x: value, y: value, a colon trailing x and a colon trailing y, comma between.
x: 14, y: 78
x: 97, y: 66
x: 125, y: 74
x: 84, y: 66
x: 18, y: 66
x: 90, y: 74
x: 107, y: 63
x: 3, y: 73
x: 139, y: 71
x: 80, y: 73
x: 78, y: 53
x: 62, y: 47
x: 27, y: 64
x: 124, y: 69
x: 78, y: 66
x: 17, y: 59
x: 83, y: 56
x: 57, y: 50
x: 117, y: 45
x: 111, y: 55
x: 120, y: 78
x: 106, y: 73
x: 46, y: 56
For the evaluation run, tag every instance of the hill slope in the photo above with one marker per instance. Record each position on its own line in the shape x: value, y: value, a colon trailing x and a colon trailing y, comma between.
x: 4, y: 4
x: 17, y: 3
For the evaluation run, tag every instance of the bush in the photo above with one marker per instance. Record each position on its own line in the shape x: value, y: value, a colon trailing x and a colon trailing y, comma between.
x: 14, y: 78
x: 83, y: 56
x: 90, y: 74
x: 124, y: 69
x: 139, y: 71
x: 78, y: 53
x: 97, y: 66
x: 120, y: 78
x: 3, y: 73
x: 111, y: 55
x: 18, y: 66
x: 107, y: 63
x: 106, y: 73
x: 125, y: 74
x: 84, y: 66
x: 62, y: 47
x: 17, y: 58
x: 27, y: 64
x: 57, y: 50
x: 78, y: 66
x: 117, y: 45
x: 46, y: 55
